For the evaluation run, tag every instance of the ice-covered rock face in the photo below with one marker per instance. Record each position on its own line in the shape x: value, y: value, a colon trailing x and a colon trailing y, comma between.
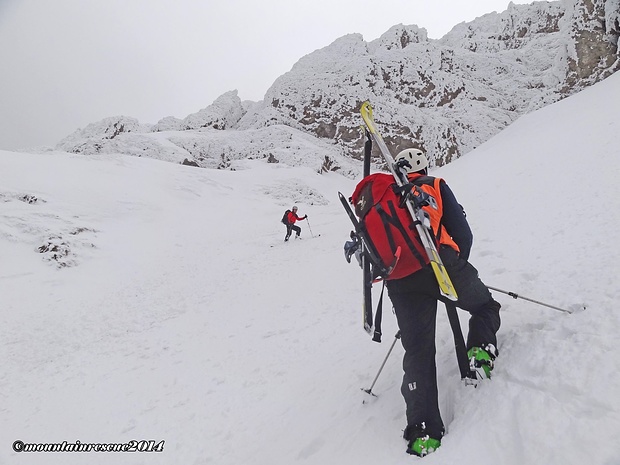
x: 445, y: 96
x: 594, y: 31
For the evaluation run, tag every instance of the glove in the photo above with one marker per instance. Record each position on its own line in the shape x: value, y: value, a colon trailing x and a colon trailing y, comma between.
x: 411, y: 192
x: 305, y: 217
x: 420, y: 198
x: 350, y: 247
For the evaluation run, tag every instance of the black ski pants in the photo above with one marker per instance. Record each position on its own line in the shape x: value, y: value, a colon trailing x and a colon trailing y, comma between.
x: 415, y: 300
x: 290, y: 228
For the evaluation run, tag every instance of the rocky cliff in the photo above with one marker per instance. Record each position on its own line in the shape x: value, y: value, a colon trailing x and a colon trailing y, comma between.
x: 446, y: 96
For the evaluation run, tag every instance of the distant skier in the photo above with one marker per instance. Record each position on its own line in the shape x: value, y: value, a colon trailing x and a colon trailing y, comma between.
x: 290, y: 224
x: 415, y: 303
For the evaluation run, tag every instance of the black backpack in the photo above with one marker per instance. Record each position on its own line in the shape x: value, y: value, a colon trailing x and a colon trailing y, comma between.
x: 285, y: 217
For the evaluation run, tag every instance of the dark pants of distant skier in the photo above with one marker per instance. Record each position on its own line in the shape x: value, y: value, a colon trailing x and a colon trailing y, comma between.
x: 290, y: 228
x: 415, y: 303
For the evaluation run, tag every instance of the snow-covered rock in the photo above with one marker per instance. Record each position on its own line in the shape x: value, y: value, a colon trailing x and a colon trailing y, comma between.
x: 593, y: 51
x: 446, y: 96
x: 450, y: 95
x: 226, y: 111
x: 106, y: 129
x: 275, y: 144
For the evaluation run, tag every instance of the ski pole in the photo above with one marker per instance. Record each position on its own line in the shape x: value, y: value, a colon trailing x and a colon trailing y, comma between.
x: 369, y: 390
x: 307, y: 221
x: 514, y: 295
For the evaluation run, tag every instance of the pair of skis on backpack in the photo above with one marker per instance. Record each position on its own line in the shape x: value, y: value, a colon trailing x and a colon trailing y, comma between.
x: 417, y: 215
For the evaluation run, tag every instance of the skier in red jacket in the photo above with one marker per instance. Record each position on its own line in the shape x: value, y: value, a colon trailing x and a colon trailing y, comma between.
x: 290, y: 225
x: 415, y: 298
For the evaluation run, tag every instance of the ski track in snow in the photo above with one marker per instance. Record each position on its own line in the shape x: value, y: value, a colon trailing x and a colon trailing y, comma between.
x: 181, y: 315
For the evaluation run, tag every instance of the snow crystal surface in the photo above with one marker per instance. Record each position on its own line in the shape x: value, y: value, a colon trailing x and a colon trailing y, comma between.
x: 145, y: 300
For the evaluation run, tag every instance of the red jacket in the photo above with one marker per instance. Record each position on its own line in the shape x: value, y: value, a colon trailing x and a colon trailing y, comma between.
x: 292, y: 217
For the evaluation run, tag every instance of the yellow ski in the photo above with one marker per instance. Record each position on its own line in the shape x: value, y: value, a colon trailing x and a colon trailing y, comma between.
x: 441, y: 274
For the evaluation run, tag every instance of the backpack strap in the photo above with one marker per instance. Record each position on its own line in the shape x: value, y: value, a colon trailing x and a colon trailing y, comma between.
x: 394, y: 221
x: 426, y: 180
x: 376, y: 337
x: 459, y: 342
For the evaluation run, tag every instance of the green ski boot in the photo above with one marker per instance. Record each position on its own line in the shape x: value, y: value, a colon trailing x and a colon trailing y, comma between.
x: 481, y: 360
x: 423, y: 446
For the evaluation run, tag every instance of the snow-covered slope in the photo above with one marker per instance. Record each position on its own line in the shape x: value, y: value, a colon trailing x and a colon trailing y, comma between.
x: 143, y: 300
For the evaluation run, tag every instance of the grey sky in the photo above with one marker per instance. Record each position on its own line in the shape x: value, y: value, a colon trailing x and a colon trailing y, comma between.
x: 68, y: 63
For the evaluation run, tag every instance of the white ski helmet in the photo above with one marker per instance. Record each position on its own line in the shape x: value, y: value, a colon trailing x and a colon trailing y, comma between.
x: 416, y: 159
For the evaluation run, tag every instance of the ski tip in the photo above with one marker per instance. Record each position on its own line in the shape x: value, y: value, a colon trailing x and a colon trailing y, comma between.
x: 366, y: 111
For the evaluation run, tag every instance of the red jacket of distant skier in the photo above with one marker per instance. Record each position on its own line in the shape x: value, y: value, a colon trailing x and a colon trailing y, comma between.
x: 292, y: 217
